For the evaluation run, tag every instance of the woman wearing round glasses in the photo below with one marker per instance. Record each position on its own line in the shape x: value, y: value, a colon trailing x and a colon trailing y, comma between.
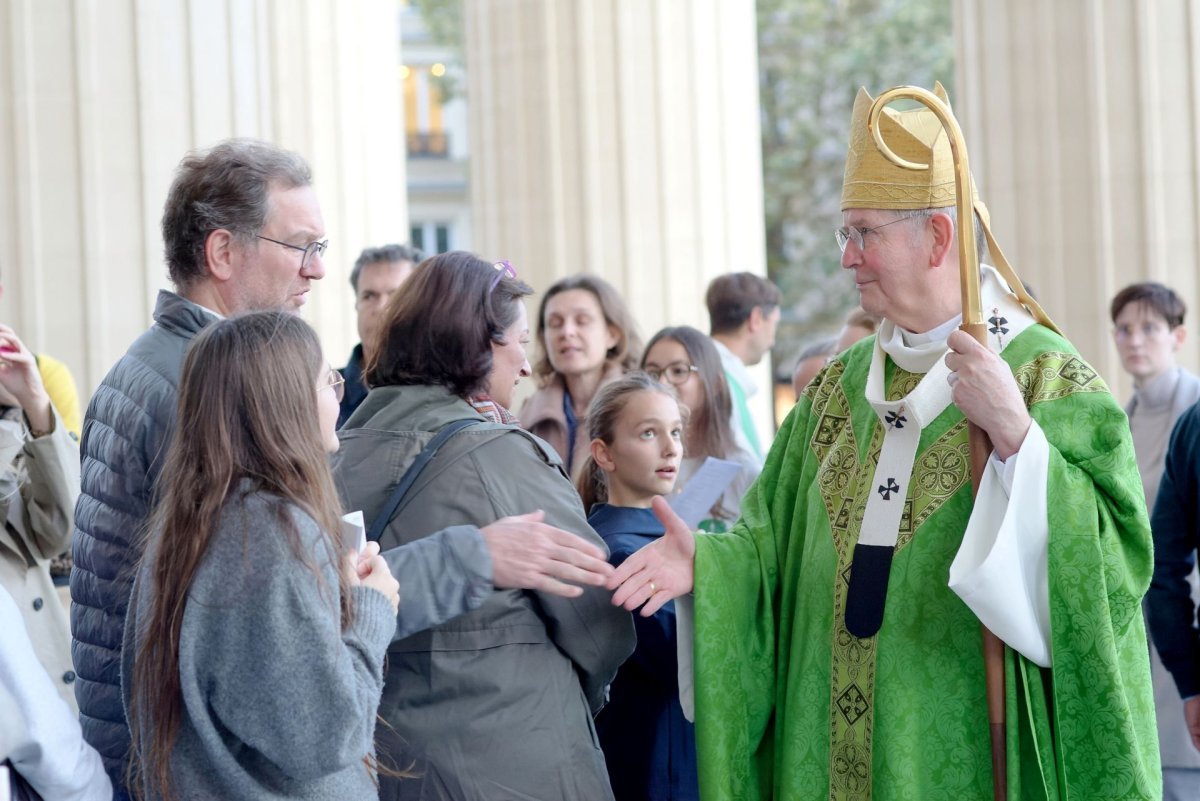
x: 686, y: 359
x: 496, y: 702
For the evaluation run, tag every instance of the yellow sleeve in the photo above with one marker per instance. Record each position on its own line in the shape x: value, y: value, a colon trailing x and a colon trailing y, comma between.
x: 60, y: 386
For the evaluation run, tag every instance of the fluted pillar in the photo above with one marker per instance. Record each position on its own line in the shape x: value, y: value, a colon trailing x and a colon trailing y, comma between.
x: 99, y: 100
x: 1081, y: 116
x: 621, y: 138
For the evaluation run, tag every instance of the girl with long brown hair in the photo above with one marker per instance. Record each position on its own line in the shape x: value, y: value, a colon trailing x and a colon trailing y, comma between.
x: 252, y: 663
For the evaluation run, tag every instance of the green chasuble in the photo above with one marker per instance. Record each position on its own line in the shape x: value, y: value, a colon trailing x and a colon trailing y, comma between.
x: 790, y: 705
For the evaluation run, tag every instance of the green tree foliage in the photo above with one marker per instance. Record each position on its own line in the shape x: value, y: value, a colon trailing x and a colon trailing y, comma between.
x: 444, y: 21
x: 813, y: 57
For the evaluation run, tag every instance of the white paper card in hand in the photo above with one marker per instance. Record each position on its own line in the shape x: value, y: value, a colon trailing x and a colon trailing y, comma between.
x: 354, y: 531
x: 704, y: 490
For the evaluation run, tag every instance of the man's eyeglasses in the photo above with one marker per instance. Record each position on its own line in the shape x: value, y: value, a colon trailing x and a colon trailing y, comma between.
x: 675, y: 373
x: 502, y: 269
x: 848, y: 233
x: 309, y: 250
x: 336, y: 382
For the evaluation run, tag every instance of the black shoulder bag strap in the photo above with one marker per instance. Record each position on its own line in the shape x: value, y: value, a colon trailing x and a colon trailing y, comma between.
x: 412, y: 473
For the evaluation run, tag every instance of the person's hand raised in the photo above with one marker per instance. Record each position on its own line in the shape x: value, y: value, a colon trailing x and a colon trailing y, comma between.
x: 659, y: 572
x: 20, y: 378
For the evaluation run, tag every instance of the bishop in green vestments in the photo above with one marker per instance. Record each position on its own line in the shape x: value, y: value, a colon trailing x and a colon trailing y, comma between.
x: 837, y: 648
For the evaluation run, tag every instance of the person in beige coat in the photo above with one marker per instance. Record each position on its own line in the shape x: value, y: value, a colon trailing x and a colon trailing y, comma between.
x: 38, y: 488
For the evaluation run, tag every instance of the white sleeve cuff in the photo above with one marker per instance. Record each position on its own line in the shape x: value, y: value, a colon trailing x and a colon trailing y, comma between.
x: 1000, y: 571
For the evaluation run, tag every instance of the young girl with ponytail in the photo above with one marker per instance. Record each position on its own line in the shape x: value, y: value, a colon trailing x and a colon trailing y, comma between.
x: 636, y: 427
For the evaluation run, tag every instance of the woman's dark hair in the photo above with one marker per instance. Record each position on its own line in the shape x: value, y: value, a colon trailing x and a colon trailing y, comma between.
x: 709, y: 432
x: 602, y: 415
x: 247, y: 409
x: 440, y: 329
x: 628, y: 348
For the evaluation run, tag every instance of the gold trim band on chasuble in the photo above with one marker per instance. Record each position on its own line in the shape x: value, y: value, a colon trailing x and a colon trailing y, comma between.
x: 845, y: 487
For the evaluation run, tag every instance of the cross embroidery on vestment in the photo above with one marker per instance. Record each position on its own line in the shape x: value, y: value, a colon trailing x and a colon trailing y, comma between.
x: 886, y: 491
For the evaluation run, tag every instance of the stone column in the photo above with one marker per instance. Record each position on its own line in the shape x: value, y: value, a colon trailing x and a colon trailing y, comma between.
x: 621, y: 138
x: 1081, y: 118
x: 100, y: 100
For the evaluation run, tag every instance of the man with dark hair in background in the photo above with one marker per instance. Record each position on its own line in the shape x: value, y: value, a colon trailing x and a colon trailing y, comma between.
x: 377, y: 273
x: 743, y: 312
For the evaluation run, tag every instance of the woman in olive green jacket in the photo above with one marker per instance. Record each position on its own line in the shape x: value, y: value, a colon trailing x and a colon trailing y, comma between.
x: 496, y: 702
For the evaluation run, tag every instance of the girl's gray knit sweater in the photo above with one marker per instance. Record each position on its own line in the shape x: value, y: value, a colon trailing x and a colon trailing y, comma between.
x: 278, y: 701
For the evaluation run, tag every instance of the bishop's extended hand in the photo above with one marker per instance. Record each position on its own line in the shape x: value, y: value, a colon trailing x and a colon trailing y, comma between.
x: 659, y: 572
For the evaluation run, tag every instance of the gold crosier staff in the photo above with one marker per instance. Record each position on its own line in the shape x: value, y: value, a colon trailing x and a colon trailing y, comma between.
x: 973, y: 324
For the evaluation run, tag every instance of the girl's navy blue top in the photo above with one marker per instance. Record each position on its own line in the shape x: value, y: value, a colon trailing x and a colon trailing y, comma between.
x: 650, y: 747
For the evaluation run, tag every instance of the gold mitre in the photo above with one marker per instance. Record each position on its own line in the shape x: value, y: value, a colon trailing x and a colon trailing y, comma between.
x: 874, y: 182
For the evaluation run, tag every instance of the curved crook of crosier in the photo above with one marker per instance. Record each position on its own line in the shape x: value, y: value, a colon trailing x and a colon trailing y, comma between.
x: 968, y: 255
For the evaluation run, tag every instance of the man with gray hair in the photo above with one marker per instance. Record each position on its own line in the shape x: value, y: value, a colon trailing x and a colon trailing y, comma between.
x: 378, y: 272
x: 242, y: 230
